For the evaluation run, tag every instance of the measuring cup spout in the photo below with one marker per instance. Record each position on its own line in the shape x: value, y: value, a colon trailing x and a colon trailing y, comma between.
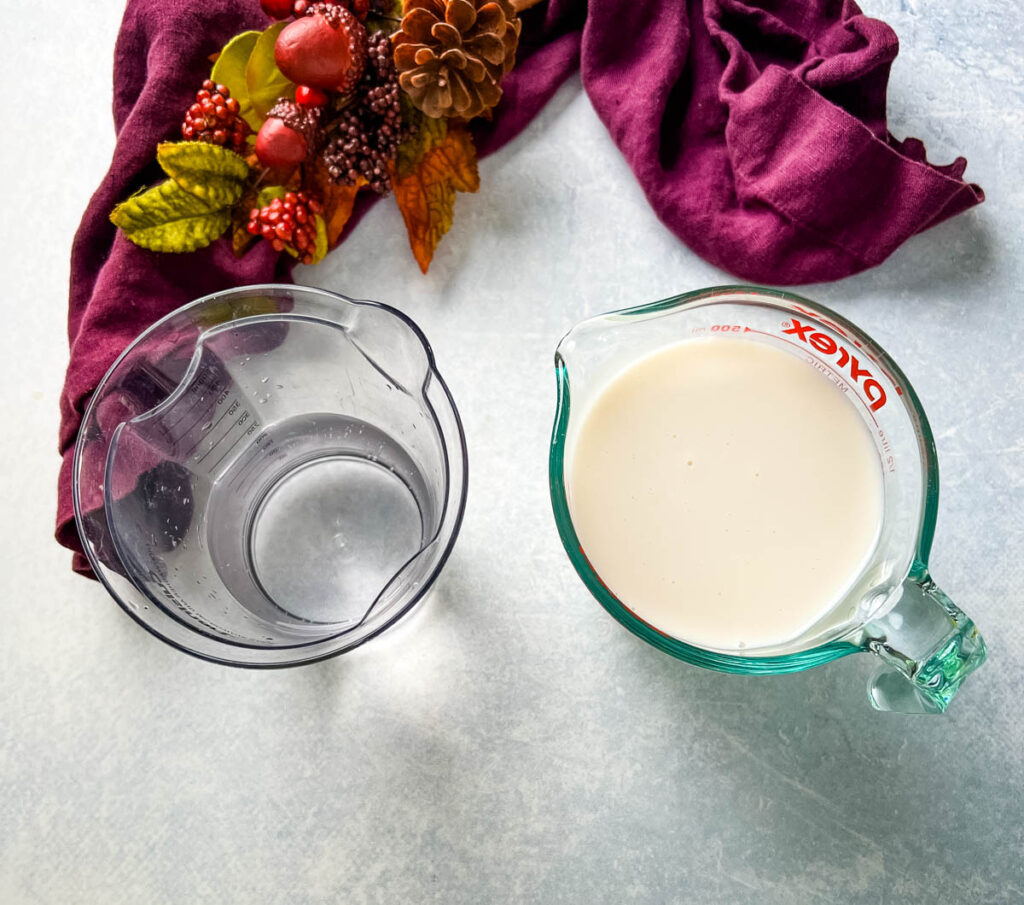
x: 929, y: 647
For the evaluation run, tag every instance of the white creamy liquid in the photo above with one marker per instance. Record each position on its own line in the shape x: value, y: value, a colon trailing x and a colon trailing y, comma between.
x: 726, y: 492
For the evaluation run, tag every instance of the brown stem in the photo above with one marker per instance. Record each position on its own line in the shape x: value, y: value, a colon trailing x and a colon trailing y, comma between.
x: 522, y: 5
x: 260, y: 177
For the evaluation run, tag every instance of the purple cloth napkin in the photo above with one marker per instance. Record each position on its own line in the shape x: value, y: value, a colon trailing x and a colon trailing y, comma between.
x: 758, y: 134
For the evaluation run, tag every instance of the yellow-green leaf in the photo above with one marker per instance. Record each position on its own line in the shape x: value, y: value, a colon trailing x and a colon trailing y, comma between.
x: 266, y: 83
x: 268, y: 193
x: 229, y: 71
x: 168, y: 218
x: 210, y: 172
x: 321, y: 240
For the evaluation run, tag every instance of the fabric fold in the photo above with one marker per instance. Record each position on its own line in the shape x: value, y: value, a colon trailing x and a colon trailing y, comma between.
x: 757, y: 132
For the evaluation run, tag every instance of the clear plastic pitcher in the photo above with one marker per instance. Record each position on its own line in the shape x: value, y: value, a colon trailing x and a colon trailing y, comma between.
x: 892, y: 608
x: 271, y: 475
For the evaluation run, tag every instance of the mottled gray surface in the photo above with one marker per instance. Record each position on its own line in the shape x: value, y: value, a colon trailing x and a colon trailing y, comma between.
x: 511, y: 743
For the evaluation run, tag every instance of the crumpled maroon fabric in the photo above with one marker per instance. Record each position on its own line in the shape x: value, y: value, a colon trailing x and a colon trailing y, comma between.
x: 757, y: 132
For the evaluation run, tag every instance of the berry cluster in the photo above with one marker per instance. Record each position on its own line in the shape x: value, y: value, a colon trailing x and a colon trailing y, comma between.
x: 365, y: 135
x: 282, y: 9
x: 214, y: 118
x: 358, y: 8
x: 288, y: 222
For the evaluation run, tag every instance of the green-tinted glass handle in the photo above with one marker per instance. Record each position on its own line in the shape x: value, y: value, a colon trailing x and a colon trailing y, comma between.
x: 929, y: 647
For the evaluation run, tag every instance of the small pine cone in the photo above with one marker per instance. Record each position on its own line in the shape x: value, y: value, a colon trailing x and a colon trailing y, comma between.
x: 451, y: 55
x: 214, y: 118
x: 304, y: 120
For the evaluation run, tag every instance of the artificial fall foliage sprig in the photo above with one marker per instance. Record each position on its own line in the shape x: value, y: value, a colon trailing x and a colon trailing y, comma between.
x: 337, y: 97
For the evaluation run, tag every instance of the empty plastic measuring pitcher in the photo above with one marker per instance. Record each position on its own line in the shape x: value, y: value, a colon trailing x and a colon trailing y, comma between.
x: 271, y: 475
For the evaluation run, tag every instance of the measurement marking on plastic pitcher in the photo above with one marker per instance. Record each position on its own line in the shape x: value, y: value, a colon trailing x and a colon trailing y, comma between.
x: 248, y: 432
x: 199, y: 390
x: 209, y: 432
x: 262, y: 444
x: 228, y: 412
x: 245, y: 419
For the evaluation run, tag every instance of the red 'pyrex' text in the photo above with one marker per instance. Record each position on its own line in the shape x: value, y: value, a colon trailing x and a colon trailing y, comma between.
x: 827, y: 346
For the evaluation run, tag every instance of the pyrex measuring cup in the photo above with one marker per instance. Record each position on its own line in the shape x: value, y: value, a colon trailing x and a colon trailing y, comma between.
x: 271, y: 475
x: 892, y: 608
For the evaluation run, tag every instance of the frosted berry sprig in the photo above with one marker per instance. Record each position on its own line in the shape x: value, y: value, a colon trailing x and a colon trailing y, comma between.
x: 358, y: 8
x: 282, y: 9
x: 365, y: 135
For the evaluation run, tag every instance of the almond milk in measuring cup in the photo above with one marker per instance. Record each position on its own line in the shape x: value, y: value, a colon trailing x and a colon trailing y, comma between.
x: 745, y: 480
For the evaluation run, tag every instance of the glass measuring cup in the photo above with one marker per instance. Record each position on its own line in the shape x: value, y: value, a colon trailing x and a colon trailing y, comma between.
x: 271, y: 475
x: 892, y: 608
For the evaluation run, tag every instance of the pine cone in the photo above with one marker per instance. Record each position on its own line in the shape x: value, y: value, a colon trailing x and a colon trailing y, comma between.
x: 451, y: 54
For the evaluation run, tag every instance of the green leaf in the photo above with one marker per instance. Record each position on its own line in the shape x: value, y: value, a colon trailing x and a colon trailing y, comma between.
x: 265, y: 81
x: 428, y: 133
x: 210, y: 172
x: 269, y: 193
x: 168, y: 218
x: 321, y: 240
x: 229, y: 71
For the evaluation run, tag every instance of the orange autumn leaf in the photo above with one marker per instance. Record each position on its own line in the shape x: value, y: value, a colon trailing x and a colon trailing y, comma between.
x: 425, y: 189
x: 241, y: 238
x: 338, y: 201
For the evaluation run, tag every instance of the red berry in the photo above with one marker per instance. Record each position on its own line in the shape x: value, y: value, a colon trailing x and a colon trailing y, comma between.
x: 213, y: 118
x: 278, y: 145
x: 311, y: 51
x: 307, y: 96
x: 277, y: 9
x: 288, y: 223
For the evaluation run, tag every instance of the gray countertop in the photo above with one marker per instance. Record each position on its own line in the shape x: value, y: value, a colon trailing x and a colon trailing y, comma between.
x: 510, y: 742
